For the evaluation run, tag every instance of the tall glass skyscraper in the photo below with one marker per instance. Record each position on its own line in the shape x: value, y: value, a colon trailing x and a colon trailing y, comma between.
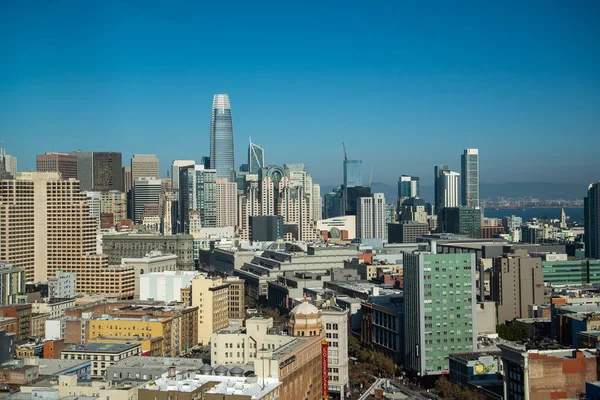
x: 352, y: 173
x: 408, y: 186
x: 256, y: 158
x: 469, y: 188
x: 221, y: 138
x: 591, y: 212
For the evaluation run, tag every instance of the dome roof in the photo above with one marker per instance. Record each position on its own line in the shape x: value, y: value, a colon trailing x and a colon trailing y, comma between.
x: 305, y: 308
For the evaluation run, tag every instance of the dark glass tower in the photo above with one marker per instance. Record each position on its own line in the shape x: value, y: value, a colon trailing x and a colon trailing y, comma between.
x: 591, y: 211
x: 469, y: 175
x: 221, y: 138
x: 256, y: 158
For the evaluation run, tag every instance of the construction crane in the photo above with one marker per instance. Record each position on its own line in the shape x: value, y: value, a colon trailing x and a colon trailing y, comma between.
x: 345, y: 154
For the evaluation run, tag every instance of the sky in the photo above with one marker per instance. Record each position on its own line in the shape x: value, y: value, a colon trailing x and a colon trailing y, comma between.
x: 405, y: 85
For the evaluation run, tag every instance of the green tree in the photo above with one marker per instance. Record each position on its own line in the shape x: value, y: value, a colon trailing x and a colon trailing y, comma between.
x: 514, y: 331
x: 452, y: 391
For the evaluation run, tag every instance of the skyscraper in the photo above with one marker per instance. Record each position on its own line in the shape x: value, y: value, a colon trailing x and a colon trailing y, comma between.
x: 175, y: 167
x: 352, y: 173
x: 106, y: 169
x: 85, y: 169
x: 226, y: 203
x: 57, y: 162
x: 221, y: 138
x: 256, y: 158
x: 370, y: 217
x: 408, y: 186
x: 8, y: 163
x: 197, y: 191
x: 143, y: 166
x: 437, y: 194
x: 447, y: 186
x: 146, y: 192
x: 470, y: 178
x: 591, y: 210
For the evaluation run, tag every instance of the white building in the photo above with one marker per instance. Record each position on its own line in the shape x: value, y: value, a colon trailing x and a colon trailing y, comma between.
x: 336, y: 333
x: 55, y: 308
x: 95, y: 205
x: 62, y: 285
x: 175, y: 167
x: 370, y: 217
x: 155, y: 261
x: 56, y: 328
x: 317, y: 202
x: 450, y: 187
x: 336, y: 225
x: 165, y: 286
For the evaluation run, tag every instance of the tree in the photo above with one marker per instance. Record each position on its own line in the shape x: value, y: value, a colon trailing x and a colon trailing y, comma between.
x: 514, y: 331
x: 452, y: 391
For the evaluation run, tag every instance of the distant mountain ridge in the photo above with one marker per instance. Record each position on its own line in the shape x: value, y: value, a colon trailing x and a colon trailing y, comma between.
x: 538, y: 190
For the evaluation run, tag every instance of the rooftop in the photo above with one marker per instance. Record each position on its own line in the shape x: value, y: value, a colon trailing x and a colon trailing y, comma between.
x: 139, y: 361
x: 227, y: 385
x: 102, y: 347
x: 367, y: 287
x: 475, y: 356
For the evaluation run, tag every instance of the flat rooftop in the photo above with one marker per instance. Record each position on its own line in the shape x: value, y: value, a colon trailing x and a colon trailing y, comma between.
x: 139, y: 361
x: 367, y: 287
x: 52, y: 367
x: 102, y: 347
x: 226, y: 385
x: 476, y: 355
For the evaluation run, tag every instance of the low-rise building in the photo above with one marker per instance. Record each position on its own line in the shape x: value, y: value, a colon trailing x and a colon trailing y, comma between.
x: 55, y: 307
x: 62, y: 285
x: 38, y: 325
x: 12, y: 283
x: 142, y: 369
x: 335, y: 321
x: 546, y: 374
x: 166, y: 285
x: 383, y: 325
x: 7, y: 346
x: 14, y: 375
x: 69, y: 387
x: 153, y: 262
x: 22, y: 314
x: 101, y: 355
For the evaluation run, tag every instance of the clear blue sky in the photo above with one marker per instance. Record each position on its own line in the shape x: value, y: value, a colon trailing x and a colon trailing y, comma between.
x: 405, y: 85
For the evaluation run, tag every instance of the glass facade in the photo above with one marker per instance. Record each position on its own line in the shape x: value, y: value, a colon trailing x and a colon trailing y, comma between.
x: 256, y: 158
x: 352, y: 173
x: 439, y: 298
x: 470, y: 178
x: 576, y: 272
x: 408, y: 186
x: 591, y: 212
x: 221, y: 138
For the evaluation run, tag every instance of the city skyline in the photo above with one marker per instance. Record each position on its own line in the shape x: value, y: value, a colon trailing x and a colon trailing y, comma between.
x: 436, y: 77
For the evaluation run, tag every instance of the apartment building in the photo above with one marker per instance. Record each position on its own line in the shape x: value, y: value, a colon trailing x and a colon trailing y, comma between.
x: 211, y: 296
x: 101, y: 355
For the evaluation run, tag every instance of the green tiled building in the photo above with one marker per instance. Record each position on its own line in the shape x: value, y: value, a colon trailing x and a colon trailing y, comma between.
x: 439, y: 298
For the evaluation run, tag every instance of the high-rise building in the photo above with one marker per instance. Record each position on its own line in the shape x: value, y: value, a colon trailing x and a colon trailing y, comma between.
x: 198, y: 191
x: 516, y: 281
x: 8, y: 163
x: 57, y: 162
x: 470, y: 178
x: 115, y: 203
x: 211, y: 296
x: 414, y: 209
x: 333, y: 203
x: 127, y: 183
x: 317, y: 203
x: 226, y: 203
x: 221, y: 138
x: 256, y: 158
x: 143, y: 166
x: 351, y: 195
x: 106, y: 169
x: 93, y: 202
x: 175, y: 167
x: 12, y: 283
x: 85, y: 169
x: 447, y: 189
x: 439, y: 303
x: 352, y: 173
x: 461, y: 221
x: 591, y: 211
x: 146, y: 192
x: 370, y: 217
x: 437, y: 195
x: 46, y: 227
x: 408, y: 186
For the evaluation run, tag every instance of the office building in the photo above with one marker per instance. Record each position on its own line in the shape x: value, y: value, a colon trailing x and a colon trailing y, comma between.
x: 351, y: 196
x: 106, y: 171
x: 146, y: 192
x: 221, y: 138
x: 437, y: 193
x: 256, y: 158
x: 12, y: 283
x: 176, y: 166
x: 198, y: 191
x: 101, y: 355
x: 408, y: 186
x: 267, y: 228
x: 118, y: 247
x: 447, y: 189
x: 211, y: 296
x: 85, y: 169
x: 226, y: 203
x: 127, y: 183
x: 115, y: 203
x: 335, y: 321
x: 406, y: 231
x: 370, y: 217
x: 352, y: 173
x: 516, y: 281
x: 57, y: 162
x: 435, y: 326
x: 8, y: 164
x: 144, y: 166
x: 461, y: 221
x: 414, y: 209
x: 591, y: 210
x: 153, y: 261
x: 469, y: 185
x: 559, y: 272
x: 333, y: 203
x: 236, y: 300
x: 317, y: 203
x: 340, y: 228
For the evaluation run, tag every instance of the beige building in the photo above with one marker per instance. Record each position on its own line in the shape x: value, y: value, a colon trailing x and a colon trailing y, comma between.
x: 68, y: 386
x: 144, y: 166
x: 237, y: 300
x: 114, y: 202
x: 57, y: 162
x: 516, y: 282
x: 226, y: 203
x: 101, y: 355
x: 127, y: 183
x: 45, y: 227
x: 38, y: 325
x: 211, y: 296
